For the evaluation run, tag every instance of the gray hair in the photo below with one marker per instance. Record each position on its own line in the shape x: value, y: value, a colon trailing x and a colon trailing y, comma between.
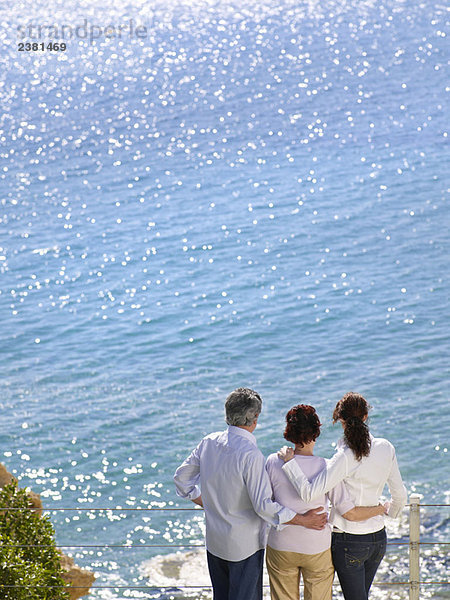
x: 242, y: 407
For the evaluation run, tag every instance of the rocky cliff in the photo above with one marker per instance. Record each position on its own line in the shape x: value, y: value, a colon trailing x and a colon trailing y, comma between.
x: 80, y: 580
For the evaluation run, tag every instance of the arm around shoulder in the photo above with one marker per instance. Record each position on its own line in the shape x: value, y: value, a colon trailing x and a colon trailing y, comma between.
x: 334, y: 472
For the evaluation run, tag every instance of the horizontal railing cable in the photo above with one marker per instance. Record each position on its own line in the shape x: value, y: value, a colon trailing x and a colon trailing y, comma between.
x: 413, y: 584
x: 143, y: 508
x: 133, y: 546
x: 204, y: 587
x: 140, y: 509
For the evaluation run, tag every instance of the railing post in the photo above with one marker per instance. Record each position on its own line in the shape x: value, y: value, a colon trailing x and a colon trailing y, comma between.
x: 414, y: 536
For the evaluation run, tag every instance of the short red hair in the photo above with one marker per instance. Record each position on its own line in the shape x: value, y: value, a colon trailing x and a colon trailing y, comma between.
x: 302, y: 425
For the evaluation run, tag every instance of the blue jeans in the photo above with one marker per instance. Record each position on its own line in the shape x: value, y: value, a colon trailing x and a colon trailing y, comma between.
x: 240, y: 580
x: 356, y: 559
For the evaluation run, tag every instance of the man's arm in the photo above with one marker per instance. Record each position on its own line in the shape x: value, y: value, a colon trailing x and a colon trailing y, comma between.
x: 259, y: 492
x: 198, y: 501
x: 187, y: 477
x: 315, y: 518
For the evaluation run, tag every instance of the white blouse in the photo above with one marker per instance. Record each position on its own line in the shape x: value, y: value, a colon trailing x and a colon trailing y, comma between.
x: 365, y: 480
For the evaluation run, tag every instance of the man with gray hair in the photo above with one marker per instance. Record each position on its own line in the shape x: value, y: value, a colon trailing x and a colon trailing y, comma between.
x: 237, y: 498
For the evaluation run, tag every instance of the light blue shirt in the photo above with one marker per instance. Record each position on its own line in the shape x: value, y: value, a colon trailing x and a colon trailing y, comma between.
x: 227, y: 469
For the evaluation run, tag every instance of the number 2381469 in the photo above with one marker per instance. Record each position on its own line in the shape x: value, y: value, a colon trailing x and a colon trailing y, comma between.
x: 41, y: 46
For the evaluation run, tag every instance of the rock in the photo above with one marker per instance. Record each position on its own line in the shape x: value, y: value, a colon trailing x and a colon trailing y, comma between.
x: 36, y: 502
x: 80, y: 579
x: 5, y: 476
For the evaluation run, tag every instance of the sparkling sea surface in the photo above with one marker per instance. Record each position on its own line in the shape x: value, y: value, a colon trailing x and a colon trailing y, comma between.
x: 249, y: 194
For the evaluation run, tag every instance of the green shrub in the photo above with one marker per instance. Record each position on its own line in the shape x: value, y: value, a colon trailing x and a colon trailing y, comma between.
x: 28, y: 554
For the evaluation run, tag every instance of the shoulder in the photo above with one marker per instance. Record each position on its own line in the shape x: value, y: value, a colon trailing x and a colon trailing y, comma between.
x: 214, y: 436
x: 343, y: 461
x: 273, y: 457
x: 214, y: 440
x: 342, y: 454
x: 313, y: 464
x: 244, y: 447
x: 382, y: 441
x: 252, y: 452
x: 381, y: 444
x: 251, y: 460
x: 273, y: 460
x: 341, y: 444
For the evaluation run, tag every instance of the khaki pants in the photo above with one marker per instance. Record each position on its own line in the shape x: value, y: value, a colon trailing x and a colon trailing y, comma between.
x: 284, y: 570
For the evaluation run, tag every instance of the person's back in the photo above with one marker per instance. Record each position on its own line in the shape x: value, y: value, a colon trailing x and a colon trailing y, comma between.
x: 293, y: 538
x: 225, y: 460
x: 365, y: 482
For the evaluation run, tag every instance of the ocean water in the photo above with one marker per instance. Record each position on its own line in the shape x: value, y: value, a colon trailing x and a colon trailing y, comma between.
x: 244, y: 194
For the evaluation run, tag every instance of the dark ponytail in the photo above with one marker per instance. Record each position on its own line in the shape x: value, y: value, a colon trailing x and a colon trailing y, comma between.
x: 352, y: 409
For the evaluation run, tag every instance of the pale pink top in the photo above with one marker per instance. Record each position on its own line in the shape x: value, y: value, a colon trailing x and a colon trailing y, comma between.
x: 295, y: 538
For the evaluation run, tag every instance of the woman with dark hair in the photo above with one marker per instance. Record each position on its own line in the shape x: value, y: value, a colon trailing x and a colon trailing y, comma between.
x: 365, y: 464
x: 296, y: 550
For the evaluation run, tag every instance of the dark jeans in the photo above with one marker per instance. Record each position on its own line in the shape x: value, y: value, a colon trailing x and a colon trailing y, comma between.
x: 241, y: 580
x: 356, y: 559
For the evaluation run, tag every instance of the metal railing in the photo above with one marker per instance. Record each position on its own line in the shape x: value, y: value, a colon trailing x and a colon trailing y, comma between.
x: 414, y: 550
x: 414, y: 581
